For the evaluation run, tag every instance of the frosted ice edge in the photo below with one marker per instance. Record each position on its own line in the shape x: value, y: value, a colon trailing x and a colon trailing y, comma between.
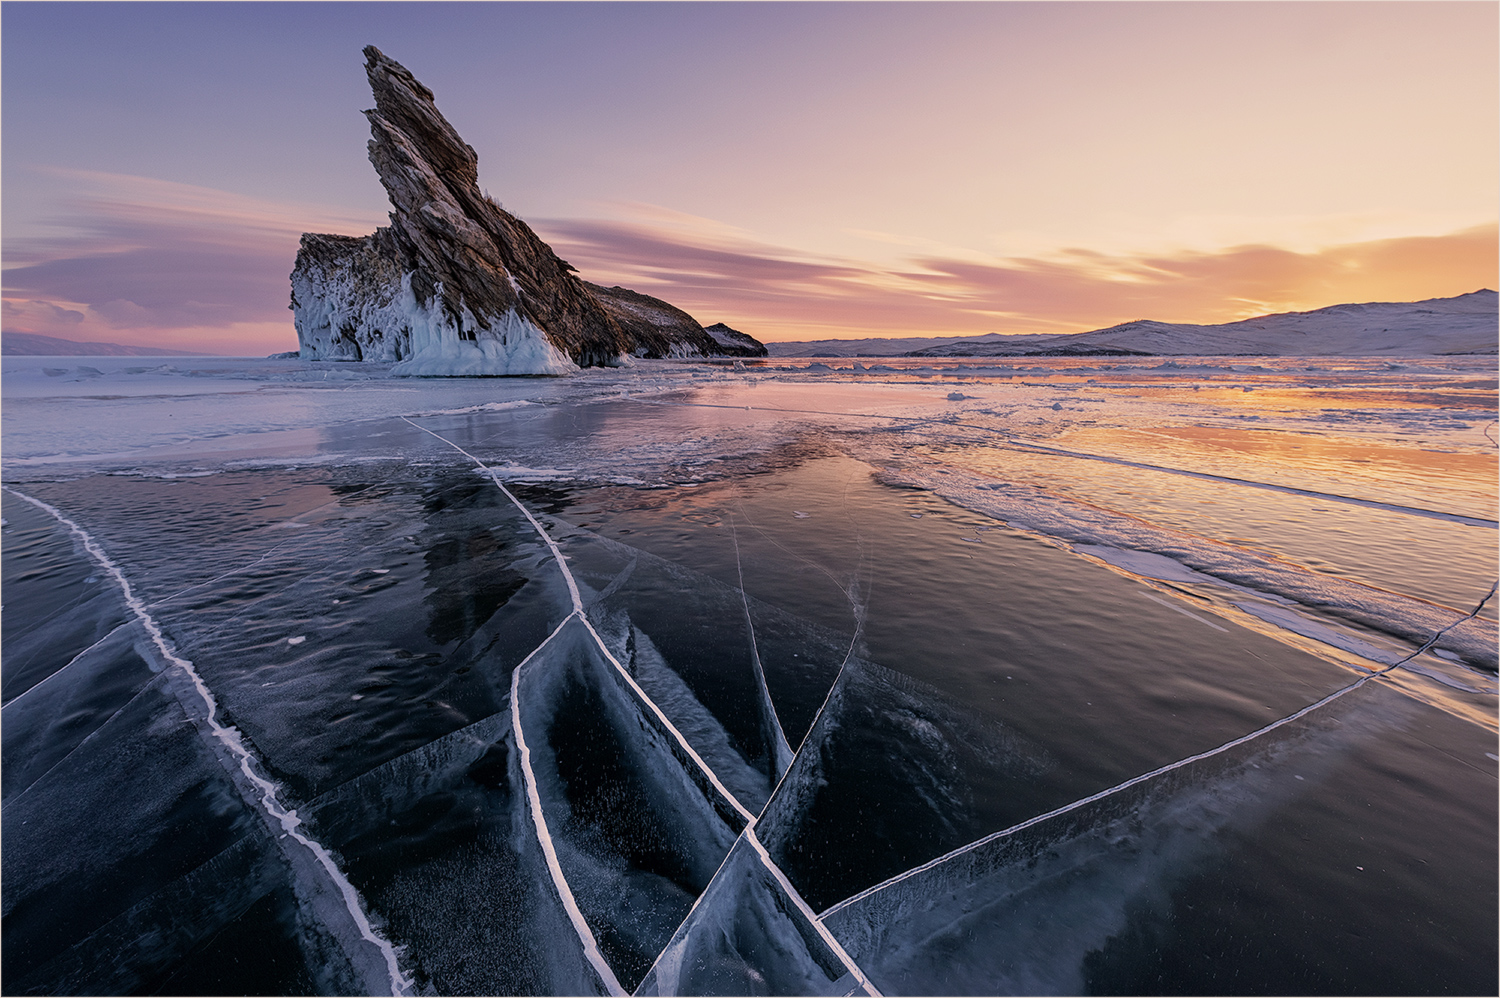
x: 544, y: 837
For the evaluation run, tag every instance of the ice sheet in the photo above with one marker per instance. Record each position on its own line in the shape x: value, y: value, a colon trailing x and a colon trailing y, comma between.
x: 355, y: 567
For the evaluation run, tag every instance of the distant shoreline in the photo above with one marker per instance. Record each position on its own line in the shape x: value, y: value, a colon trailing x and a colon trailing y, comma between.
x: 37, y: 345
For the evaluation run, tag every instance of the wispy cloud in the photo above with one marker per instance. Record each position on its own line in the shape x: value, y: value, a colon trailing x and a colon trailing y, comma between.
x: 783, y: 294
x: 159, y: 263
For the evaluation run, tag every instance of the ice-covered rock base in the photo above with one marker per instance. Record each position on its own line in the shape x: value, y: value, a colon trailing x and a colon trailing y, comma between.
x: 456, y: 285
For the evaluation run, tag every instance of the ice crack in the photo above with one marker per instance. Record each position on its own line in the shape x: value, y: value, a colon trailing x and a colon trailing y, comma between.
x: 1162, y: 770
x: 233, y: 742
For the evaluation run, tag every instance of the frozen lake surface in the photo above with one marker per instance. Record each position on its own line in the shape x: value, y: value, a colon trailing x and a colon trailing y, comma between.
x: 788, y: 677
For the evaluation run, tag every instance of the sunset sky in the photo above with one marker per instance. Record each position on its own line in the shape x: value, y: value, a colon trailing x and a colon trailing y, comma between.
x: 798, y: 170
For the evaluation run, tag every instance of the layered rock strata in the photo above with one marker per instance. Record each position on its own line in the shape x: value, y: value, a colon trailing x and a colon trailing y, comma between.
x: 456, y: 285
x: 733, y: 343
x: 655, y: 328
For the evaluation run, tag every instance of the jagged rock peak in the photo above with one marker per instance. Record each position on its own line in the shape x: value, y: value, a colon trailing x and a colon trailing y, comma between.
x: 456, y: 284
x: 465, y: 253
x: 404, y: 105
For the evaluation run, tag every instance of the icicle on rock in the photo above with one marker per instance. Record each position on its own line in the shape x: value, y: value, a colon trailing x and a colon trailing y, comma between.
x: 456, y: 285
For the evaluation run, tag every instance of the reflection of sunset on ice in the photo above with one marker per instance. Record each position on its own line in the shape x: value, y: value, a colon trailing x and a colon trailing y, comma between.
x: 783, y: 674
x: 779, y: 499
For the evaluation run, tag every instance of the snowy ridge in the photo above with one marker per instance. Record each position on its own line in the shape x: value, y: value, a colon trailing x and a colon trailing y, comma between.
x: 396, y: 981
x: 1461, y: 324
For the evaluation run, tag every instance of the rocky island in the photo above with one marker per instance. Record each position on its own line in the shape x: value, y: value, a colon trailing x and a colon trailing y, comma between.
x: 458, y: 286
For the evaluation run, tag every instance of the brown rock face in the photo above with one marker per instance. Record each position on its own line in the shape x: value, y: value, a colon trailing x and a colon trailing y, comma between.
x: 460, y: 247
x: 654, y: 328
x: 456, y: 284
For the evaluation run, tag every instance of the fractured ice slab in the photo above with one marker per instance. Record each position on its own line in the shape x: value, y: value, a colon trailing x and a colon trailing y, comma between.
x: 888, y: 776
x: 1045, y: 906
x: 51, y: 719
x: 634, y: 835
x: 170, y: 808
x: 1017, y: 911
x: 746, y: 936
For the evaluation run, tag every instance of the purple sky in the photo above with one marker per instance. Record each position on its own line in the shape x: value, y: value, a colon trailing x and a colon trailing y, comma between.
x: 796, y: 170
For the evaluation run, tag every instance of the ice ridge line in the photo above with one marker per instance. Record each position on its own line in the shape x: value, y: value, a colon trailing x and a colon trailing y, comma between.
x: 1153, y: 774
x: 544, y: 837
x: 1471, y: 521
x: 546, y: 537
x: 52, y: 675
x: 807, y: 912
x: 578, y: 612
x: 1468, y: 521
x: 781, y: 752
x: 231, y: 738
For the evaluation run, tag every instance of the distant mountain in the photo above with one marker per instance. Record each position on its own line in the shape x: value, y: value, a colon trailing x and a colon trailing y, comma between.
x: 1466, y: 324
x: 36, y: 345
x: 874, y: 346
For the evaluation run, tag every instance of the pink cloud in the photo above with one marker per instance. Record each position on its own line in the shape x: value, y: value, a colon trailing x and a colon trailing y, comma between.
x: 777, y: 293
x: 156, y: 263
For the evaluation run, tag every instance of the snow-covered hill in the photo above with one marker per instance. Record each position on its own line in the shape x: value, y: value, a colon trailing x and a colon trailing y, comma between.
x: 1466, y: 324
x: 1463, y: 325
x: 37, y: 345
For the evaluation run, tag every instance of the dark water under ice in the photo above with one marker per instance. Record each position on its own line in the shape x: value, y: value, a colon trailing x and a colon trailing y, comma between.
x: 380, y: 622
x: 360, y: 626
